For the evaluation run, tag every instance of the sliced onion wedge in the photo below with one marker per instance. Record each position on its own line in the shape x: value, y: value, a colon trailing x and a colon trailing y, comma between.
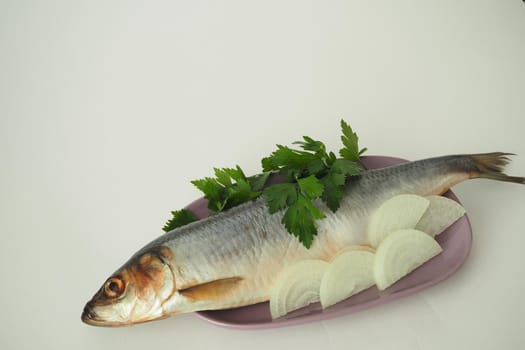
x: 297, y: 286
x: 348, y: 274
x: 441, y: 213
x: 400, y: 253
x: 400, y: 212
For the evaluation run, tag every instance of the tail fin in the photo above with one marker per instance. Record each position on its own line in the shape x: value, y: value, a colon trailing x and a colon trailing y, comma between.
x: 490, y: 166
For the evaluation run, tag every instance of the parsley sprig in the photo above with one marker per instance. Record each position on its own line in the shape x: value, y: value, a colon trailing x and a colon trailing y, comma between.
x: 310, y: 173
x: 180, y: 218
x: 229, y: 188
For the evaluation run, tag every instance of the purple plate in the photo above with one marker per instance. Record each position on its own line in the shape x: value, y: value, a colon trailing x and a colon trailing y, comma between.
x: 455, y: 241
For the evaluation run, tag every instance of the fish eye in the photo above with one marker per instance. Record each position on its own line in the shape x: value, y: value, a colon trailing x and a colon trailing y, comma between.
x: 114, y: 287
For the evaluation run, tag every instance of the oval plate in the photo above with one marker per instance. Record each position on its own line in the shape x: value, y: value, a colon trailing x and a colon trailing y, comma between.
x: 455, y: 241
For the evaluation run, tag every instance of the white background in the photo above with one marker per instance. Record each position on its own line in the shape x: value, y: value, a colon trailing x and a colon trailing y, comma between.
x: 109, y: 108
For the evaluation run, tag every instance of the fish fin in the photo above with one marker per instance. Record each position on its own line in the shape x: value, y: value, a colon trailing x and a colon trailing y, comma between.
x: 214, y: 290
x: 490, y: 166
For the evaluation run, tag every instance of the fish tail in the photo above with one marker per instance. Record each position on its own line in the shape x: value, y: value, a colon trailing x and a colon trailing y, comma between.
x: 490, y: 166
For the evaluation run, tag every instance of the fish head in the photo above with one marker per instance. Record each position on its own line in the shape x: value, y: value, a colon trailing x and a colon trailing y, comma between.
x: 135, y: 293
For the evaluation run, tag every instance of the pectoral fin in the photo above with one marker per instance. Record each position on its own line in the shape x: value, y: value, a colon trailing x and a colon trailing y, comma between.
x: 211, y: 291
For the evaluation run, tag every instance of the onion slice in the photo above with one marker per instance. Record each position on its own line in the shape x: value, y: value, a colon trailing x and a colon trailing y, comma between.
x: 400, y: 212
x: 297, y: 286
x: 348, y: 274
x: 441, y: 213
x: 400, y: 253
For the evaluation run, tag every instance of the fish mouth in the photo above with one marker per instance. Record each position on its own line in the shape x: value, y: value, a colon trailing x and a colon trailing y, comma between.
x: 89, y: 316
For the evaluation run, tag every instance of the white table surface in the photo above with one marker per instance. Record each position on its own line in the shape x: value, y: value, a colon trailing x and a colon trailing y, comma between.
x: 108, y: 109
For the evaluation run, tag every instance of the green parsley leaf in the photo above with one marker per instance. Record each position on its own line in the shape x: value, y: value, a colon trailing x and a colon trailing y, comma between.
x: 300, y: 215
x: 289, y: 162
x: 229, y: 188
x: 309, y: 144
x: 222, y: 177
x: 346, y: 167
x: 310, y: 187
x: 299, y: 219
x: 350, y: 141
x: 239, y: 193
x: 213, y: 192
x: 180, y: 218
x: 316, y: 166
x: 258, y: 182
x: 226, y: 175
x: 333, y: 190
x: 335, y: 180
x: 280, y: 196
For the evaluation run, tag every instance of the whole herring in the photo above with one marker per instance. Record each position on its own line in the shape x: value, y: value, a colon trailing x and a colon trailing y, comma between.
x: 233, y: 258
